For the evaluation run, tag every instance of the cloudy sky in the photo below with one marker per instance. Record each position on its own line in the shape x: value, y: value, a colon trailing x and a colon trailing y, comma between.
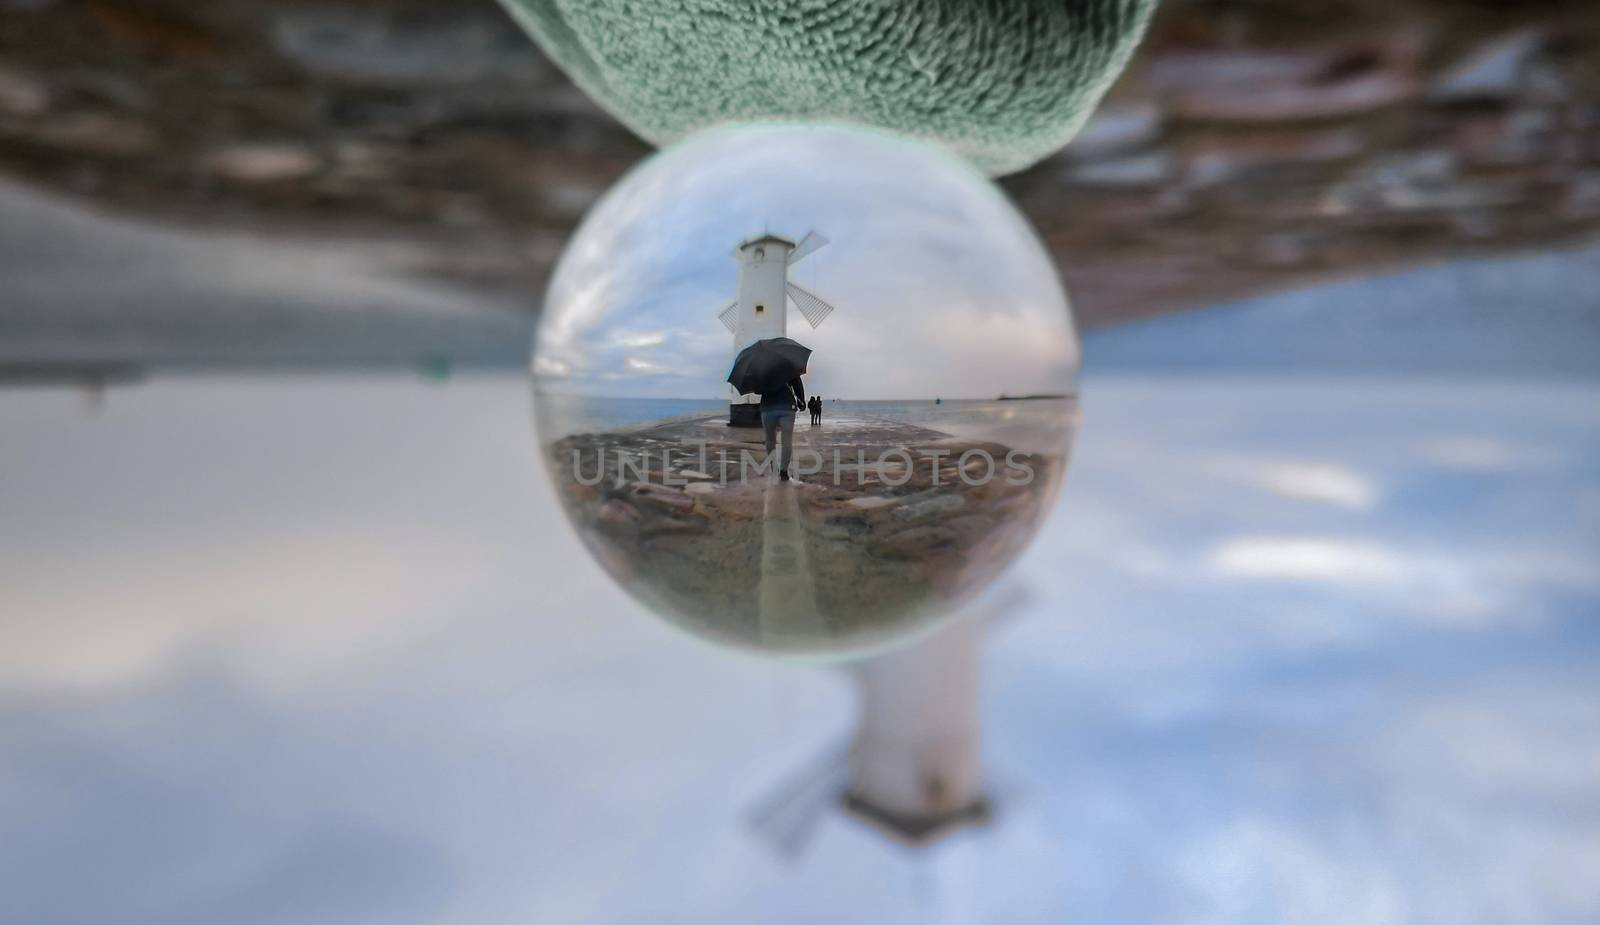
x: 323, y: 651
x: 941, y: 288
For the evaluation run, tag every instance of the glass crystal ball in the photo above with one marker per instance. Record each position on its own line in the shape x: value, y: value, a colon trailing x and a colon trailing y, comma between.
x: 869, y: 308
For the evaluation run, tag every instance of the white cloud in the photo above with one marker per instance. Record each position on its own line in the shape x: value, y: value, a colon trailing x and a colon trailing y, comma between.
x: 1480, y: 454
x: 126, y: 617
x: 1315, y: 559
x: 551, y: 367
x: 638, y: 340
x: 1255, y: 863
x: 1329, y: 483
x: 1466, y: 589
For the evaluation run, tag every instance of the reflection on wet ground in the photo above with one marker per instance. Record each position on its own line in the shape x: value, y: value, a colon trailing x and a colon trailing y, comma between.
x: 885, y: 524
x: 1299, y: 651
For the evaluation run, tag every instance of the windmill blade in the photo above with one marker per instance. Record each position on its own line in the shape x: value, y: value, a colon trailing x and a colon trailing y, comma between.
x: 809, y: 244
x: 786, y: 816
x: 813, y: 306
x: 726, y: 316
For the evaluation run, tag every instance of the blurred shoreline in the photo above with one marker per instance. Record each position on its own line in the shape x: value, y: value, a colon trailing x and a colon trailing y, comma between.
x: 98, y: 299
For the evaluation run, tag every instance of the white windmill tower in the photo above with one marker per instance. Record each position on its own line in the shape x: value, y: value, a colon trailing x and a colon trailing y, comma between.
x: 761, y: 309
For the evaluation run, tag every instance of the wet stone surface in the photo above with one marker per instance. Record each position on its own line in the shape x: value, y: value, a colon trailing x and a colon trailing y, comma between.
x: 909, y: 522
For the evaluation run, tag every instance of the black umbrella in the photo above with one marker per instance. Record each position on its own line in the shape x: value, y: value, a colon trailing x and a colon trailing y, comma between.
x: 768, y: 365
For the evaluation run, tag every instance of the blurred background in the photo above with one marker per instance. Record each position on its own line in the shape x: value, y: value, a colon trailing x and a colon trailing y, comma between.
x: 291, y: 629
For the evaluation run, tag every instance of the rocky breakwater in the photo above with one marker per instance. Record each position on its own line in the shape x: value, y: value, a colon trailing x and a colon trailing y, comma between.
x: 898, y: 521
x: 665, y: 529
x: 925, y: 527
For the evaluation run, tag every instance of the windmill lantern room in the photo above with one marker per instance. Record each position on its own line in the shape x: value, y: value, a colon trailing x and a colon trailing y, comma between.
x: 761, y: 308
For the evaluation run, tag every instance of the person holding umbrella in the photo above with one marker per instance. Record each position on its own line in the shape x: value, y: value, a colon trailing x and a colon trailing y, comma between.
x: 777, y: 414
x: 772, y: 369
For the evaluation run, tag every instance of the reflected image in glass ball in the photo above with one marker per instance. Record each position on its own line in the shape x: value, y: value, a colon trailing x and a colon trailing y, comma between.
x: 893, y: 286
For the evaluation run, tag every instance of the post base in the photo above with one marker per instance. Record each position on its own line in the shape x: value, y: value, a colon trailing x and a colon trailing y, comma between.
x: 917, y: 829
x: 744, y: 415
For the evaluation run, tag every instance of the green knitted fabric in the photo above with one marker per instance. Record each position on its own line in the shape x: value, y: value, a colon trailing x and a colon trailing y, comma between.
x: 1003, y: 82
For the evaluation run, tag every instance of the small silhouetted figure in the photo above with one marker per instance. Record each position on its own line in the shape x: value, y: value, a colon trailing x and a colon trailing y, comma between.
x: 777, y: 414
x: 816, y: 409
